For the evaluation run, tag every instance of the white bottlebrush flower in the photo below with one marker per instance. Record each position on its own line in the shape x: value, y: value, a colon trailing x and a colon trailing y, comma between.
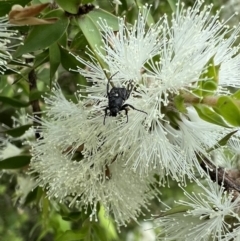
x: 234, y: 143
x: 210, y: 214
x: 228, y: 157
x: 231, y: 10
x: 5, y: 39
x: 228, y: 72
x: 233, y: 236
x: 85, y: 183
x: 194, y: 38
x: 86, y: 156
x: 227, y: 58
x: 127, y: 51
x: 195, y: 136
x: 127, y: 137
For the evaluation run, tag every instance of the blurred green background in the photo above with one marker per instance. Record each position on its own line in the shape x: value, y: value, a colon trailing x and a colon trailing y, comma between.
x: 26, y: 215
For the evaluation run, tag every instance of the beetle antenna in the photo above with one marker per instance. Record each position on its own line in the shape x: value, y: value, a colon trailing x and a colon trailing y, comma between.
x: 112, y: 76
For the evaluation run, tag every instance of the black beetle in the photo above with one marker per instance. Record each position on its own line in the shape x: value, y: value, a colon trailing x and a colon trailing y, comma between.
x: 116, y: 98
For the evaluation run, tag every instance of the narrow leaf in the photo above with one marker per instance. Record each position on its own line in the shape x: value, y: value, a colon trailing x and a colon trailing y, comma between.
x: 41, y: 58
x: 32, y: 195
x: 99, y: 13
x: 69, y: 6
x: 36, y: 95
x: 222, y: 142
x: 72, y: 235
x: 18, y: 131
x: 229, y: 110
x: 13, y: 102
x: 236, y: 95
x: 177, y: 209
x: 92, y: 34
x: 15, y: 162
x: 209, y: 115
x: 68, y: 61
x: 55, y: 59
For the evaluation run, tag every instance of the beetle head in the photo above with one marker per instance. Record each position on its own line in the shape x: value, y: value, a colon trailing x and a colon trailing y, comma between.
x: 114, y: 111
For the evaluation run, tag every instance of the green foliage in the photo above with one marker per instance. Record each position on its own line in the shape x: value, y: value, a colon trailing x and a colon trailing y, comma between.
x: 179, y: 103
x: 229, y: 110
x: 68, y: 61
x: 13, y: 102
x: 15, y: 162
x: 41, y: 37
x: 69, y: 6
x: 47, y: 49
x: 7, y: 5
x: 209, y: 115
x: 17, y: 131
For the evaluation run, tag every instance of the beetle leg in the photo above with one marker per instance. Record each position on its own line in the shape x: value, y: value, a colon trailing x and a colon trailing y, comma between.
x: 109, y: 83
x: 126, y: 112
x: 106, y: 109
x: 128, y: 105
x: 108, y: 88
x: 129, y: 90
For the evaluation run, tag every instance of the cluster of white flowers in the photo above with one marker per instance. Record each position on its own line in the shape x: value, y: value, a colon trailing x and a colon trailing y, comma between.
x: 210, y: 213
x: 6, y: 35
x: 85, y: 156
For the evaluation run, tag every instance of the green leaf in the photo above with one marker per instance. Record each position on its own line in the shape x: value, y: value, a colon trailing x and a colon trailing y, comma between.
x: 174, y: 210
x: 45, y: 209
x: 41, y: 37
x: 36, y: 95
x: 72, y: 235
x: 179, y: 103
x: 99, y: 13
x: 223, y: 141
x: 236, y: 95
x: 208, y: 115
x: 172, y: 4
x: 209, y: 87
x: 79, y: 44
x: 101, y: 235
x: 72, y: 216
x: 41, y: 58
x: 63, y: 40
x: 92, y: 34
x: 107, y: 223
x: 13, y: 102
x: 70, y: 6
x: 15, y: 162
x: 55, y: 59
x: 68, y: 61
x: 229, y: 110
x: 18, y: 131
x: 7, y: 5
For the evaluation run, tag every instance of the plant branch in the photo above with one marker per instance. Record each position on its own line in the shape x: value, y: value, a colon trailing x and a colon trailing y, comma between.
x: 218, y: 174
x: 34, y: 103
